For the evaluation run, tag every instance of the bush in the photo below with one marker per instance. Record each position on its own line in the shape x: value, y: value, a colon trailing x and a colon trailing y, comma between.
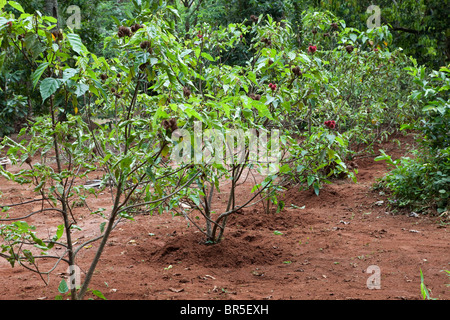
x: 423, y: 182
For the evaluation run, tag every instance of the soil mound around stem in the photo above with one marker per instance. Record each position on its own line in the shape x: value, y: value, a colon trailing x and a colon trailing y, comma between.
x: 237, y: 250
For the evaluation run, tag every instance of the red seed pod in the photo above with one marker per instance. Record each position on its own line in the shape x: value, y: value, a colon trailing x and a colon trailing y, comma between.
x: 312, y: 49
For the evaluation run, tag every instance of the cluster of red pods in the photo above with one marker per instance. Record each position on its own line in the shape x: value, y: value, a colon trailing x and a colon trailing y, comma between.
x: 330, y: 124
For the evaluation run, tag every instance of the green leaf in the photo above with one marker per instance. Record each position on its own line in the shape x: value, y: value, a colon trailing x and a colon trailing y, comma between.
x: 28, y: 255
x: 75, y: 42
x: 174, y: 11
x: 48, y: 87
x: 33, y: 45
x: 81, y: 89
x: 16, y: 6
x: 115, y: 20
x: 207, y: 56
x: 63, y: 288
x: 310, y: 180
x: 252, y: 77
x: 316, y: 188
x: 285, y: 169
x: 278, y: 233
x: 40, y: 243
x: 102, y: 227
x: 69, y: 73
x: 98, y: 294
x: 38, y: 73
x: 59, y: 231
x: 50, y: 19
x: 2, y: 56
x: 39, y: 186
x: 60, y: 188
x: 98, y: 85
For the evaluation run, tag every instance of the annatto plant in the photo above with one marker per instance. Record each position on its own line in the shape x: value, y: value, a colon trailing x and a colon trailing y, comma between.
x: 127, y: 154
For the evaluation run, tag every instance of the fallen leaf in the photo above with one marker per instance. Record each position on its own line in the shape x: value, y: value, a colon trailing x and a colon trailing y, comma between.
x: 176, y: 290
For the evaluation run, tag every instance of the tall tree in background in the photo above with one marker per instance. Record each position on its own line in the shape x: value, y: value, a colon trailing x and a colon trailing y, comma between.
x: 419, y: 27
x: 51, y: 9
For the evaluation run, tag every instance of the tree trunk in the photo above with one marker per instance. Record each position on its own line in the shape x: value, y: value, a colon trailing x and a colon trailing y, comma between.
x: 51, y: 9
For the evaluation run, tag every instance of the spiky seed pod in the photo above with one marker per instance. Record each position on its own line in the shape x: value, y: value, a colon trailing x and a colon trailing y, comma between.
x: 254, y: 18
x: 267, y: 41
x: 146, y: 45
x: 255, y: 96
x: 186, y: 92
x: 349, y: 48
x: 124, y: 32
x: 165, y: 124
x: 170, y: 125
x: 296, y: 71
x: 103, y: 76
x: 173, y: 124
x: 136, y: 27
x: 335, y: 26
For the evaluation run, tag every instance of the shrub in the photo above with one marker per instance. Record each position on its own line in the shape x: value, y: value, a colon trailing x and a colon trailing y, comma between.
x: 423, y: 182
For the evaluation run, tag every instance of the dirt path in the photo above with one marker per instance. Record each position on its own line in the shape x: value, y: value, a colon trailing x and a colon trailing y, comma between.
x: 322, y: 250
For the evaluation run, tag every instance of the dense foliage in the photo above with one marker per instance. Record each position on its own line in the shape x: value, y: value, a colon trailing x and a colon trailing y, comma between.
x: 326, y: 90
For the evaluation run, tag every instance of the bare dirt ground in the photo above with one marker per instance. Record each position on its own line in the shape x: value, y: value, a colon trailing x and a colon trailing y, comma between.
x: 326, y: 245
